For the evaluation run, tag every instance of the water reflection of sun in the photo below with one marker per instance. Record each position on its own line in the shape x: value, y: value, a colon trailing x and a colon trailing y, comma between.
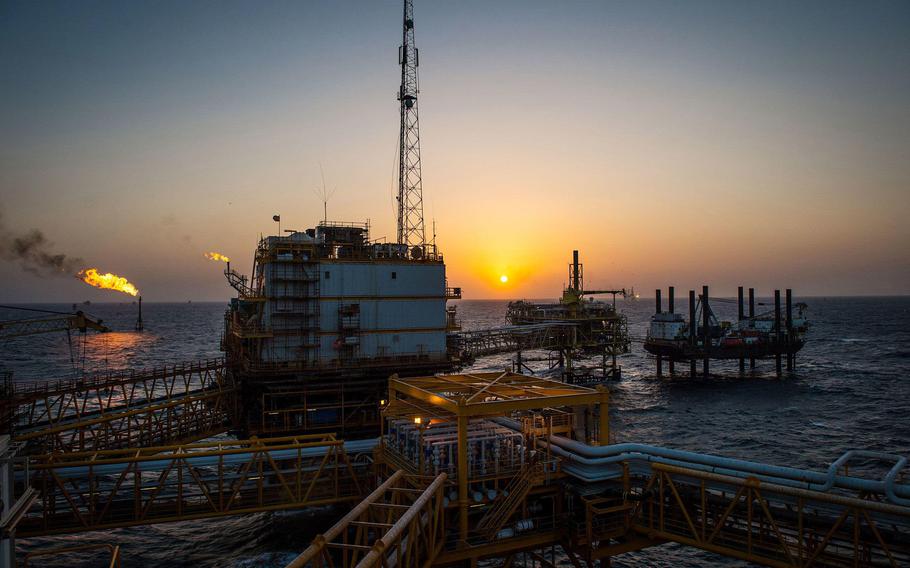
x: 106, y: 351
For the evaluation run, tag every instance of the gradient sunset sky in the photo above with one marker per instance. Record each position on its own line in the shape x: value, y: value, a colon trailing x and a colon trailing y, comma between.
x: 673, y: 143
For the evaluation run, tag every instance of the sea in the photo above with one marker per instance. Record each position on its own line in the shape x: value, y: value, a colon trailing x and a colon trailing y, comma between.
x: 850, y: 390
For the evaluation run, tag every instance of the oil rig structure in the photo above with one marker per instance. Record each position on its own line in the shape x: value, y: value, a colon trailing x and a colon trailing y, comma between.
x: 329, y: 314
x: 339, y: 384
x: 496, y: 466
x: 588, y: 327
x: 771, y: 334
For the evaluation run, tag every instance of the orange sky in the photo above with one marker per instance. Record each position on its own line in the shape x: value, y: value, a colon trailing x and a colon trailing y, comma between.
x: 719, y: 144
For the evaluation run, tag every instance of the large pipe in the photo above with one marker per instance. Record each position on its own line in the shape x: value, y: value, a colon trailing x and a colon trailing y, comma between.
x: 227, y: 457
x: 787, y: 490
x: 576, y: 285
x: 579, y: 455
x: 139, y: 326
x: 593, y: 470
x: 776, y: 474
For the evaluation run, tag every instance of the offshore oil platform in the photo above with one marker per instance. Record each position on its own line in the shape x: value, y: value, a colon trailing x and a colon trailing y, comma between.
x: 590, y: 327
x: 765, y: 335
x: 327, y: 316
x: 338, y: 376
x: 567, y: 332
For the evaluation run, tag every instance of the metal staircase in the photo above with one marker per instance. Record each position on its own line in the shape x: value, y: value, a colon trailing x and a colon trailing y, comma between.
x: 501, y: 511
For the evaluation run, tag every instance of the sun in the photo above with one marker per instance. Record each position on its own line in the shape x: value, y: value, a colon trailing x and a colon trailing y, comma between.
x: 503, y: 278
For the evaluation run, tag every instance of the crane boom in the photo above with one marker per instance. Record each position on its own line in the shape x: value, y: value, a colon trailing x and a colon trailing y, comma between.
x: 76, y: 321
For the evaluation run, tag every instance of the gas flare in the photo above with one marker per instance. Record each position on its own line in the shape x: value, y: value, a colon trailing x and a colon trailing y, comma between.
x: 216, y: 256
x: 92, y: 277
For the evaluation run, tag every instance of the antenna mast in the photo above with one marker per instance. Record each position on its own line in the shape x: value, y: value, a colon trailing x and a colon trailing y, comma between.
x: 410, y: 187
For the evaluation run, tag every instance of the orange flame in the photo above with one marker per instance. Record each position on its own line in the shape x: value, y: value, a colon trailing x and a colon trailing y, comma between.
x: 216, y: 256
x: 109, y: 281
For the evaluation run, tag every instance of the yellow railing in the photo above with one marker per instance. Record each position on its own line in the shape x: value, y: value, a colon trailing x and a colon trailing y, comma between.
x: 770, y: 524
x: 401, y: 523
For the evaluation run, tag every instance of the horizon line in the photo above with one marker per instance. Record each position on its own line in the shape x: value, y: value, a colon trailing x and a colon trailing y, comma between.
x: 641, y: 298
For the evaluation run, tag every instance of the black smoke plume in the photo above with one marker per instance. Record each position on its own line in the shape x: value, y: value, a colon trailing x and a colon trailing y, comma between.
x: 33, y: 251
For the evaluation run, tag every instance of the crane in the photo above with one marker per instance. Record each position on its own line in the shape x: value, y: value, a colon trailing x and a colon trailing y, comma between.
x: 56, y: 321
x: 76, y: 321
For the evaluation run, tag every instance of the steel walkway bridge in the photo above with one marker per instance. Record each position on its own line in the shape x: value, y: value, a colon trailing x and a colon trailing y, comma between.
x: 173, y: 404
x: 84, y: 491
x: 565, y: 341
x: 510, y: 338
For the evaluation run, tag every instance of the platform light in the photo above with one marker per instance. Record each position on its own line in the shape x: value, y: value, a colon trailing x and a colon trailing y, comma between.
x: 417, y: 420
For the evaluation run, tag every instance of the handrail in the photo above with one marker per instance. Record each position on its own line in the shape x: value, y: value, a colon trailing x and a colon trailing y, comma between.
x: 499, y: 513
x: 373, y: 558
x: 321, y: 540
x: 126, y: 375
